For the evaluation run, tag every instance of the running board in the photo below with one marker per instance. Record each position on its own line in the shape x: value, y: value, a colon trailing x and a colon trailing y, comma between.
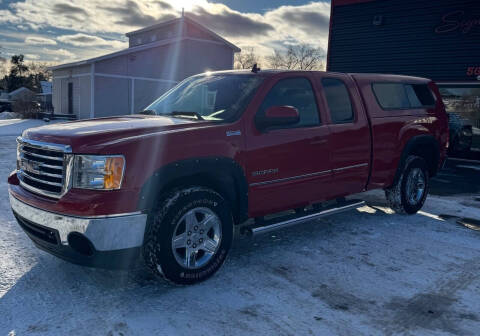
x: 337, y: 208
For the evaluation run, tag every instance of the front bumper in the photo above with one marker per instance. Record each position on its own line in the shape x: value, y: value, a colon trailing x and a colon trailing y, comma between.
x: 103, y: 241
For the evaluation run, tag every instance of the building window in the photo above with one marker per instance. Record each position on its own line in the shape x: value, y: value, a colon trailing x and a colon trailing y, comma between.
x: 464, y: 103
x: 338, y: 100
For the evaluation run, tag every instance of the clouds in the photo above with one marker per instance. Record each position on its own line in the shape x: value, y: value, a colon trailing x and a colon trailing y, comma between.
x: 6, y: 16
x: 134, y: 16
x: 93, y: 16
x: 67, y: 9
x: 314, y: 22
x: 37, y: 40
x: 275, y: 29
x: 100, y: 25
x: 225, y: 21
x: 84, y: 40
x: 130, y: 15
x: 307, y: 23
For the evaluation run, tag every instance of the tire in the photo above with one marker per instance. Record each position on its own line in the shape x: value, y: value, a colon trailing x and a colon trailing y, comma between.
x: 202, y: 224
x: 408, y: 194
x: 455, y: 147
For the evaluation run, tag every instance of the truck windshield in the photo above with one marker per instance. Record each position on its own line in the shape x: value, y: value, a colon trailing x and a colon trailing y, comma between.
x: 217, y: 97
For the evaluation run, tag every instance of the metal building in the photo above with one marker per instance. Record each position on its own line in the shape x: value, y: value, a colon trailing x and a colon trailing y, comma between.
x: 126, y: 81
x: 434, y: 39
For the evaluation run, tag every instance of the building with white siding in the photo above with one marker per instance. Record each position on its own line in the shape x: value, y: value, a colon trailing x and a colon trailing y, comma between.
x: 125, y: 82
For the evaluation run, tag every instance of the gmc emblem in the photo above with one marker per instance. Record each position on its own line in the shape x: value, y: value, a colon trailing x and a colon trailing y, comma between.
x: 30, y: 166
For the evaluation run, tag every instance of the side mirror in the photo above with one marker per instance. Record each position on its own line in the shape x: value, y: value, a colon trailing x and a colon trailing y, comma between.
x: 278, y: 116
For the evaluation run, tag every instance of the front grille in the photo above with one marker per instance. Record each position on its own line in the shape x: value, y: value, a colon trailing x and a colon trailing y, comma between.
x: 41, y: 232
x: 43, y: 167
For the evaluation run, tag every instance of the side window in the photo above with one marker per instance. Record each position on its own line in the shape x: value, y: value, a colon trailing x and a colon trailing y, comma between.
x: 412, y: 96
x: 296, y: 92
x: 393, y: 96
x: 423, y: 95
x: 338, y: 100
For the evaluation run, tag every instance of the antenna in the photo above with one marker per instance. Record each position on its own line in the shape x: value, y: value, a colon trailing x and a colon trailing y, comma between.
x: 255, y: 69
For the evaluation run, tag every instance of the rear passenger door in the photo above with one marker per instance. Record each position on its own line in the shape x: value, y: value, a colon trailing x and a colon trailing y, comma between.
x: 349, y: 139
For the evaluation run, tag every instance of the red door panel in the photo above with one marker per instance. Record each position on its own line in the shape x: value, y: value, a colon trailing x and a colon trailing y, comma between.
x: 287, y: 168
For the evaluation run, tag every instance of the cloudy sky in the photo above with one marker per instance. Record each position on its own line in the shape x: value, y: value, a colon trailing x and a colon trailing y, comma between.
x: 61, y: 31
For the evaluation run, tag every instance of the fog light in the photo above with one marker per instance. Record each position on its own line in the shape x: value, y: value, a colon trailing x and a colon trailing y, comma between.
x: 79, y: 243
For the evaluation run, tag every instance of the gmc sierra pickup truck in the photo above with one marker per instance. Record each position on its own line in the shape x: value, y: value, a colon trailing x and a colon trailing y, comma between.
x: 265, y: 149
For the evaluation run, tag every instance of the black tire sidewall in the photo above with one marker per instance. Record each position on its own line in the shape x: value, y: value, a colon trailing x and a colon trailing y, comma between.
x: 415, y: 163
x: 171, y: 269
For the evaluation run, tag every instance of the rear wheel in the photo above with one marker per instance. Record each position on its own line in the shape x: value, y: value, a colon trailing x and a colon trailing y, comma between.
x: 189, y: 237
x: 408, y: 194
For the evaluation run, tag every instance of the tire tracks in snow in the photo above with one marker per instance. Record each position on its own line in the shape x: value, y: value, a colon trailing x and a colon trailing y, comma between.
x: 432, y: 310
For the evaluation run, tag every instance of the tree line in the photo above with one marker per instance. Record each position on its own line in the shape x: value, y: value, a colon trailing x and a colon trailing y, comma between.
x: 294, y: 57
x: 20, y: 74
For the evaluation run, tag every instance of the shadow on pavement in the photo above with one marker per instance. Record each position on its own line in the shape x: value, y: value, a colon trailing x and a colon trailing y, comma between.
x: 459, y: 176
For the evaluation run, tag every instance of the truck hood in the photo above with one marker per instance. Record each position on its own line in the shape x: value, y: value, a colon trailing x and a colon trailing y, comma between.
x: 95, y: 132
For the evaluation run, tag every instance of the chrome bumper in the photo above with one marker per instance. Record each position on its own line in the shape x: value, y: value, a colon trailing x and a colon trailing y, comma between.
x: 106, y: 233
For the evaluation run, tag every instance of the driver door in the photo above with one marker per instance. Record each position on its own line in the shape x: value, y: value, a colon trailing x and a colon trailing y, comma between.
x: 289, y: 167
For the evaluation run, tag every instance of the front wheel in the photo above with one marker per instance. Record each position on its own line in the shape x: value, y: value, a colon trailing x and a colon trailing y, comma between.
x: 408, y: 194
x: 190, y: 235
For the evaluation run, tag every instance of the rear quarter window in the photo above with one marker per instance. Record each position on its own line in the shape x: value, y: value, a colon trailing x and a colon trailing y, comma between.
x: 338, y: 100
x: 395, y: 96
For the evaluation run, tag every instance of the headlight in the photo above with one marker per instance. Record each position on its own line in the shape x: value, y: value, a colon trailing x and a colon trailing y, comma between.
x: 98, y: 172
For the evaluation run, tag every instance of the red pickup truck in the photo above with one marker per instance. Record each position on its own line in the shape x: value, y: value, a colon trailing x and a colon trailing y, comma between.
x: 265, y: 149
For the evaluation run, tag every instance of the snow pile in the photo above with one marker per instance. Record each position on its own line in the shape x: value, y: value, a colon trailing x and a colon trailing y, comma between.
x: 17, y: 126
x: 9, y: 115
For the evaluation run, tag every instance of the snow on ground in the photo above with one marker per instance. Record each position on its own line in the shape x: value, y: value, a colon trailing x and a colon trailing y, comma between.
x: 365, y: 272
x: 17, y: 126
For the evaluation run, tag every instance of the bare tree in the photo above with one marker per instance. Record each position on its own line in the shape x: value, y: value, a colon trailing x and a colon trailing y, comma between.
x: 246, y: 59
x: 40, y: 69
x: 297, y: 57
x: 277, y: 60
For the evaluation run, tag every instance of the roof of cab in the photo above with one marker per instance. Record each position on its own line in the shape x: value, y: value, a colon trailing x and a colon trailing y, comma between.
x: 388, y: 78
x: 361, y: 76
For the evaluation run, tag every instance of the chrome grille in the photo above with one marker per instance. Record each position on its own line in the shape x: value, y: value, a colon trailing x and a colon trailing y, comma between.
x: 44, y: 168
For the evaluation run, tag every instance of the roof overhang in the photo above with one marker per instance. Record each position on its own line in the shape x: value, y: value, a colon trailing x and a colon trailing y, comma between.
x: 135, y: 49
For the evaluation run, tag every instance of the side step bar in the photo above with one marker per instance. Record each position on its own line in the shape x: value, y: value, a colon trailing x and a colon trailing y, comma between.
x: 337, y: 208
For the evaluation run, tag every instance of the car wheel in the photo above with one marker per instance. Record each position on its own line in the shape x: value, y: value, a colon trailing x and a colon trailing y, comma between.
x: 408, y: 194
x: 189, y: 235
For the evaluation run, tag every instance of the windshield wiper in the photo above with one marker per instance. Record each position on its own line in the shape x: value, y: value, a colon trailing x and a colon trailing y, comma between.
x: 186, y: 113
